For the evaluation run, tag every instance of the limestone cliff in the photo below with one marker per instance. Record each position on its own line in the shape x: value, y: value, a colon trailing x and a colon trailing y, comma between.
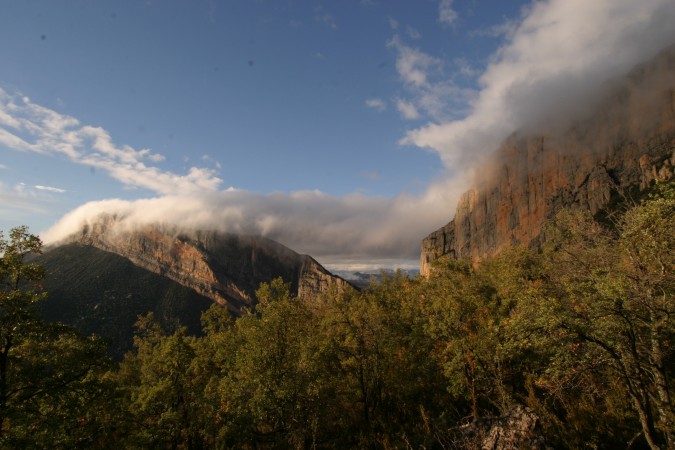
x: 226, y: 268
x: 627, y: 144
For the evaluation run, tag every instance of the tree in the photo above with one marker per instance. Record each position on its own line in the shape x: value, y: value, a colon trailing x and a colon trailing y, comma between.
x: 162, y: 393
x: 17, y: 317
x: 49, y: 374
x: 610, y: 308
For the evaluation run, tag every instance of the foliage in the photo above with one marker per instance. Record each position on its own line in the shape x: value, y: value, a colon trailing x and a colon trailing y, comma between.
x: 581, y: 332
x: 53, y: 392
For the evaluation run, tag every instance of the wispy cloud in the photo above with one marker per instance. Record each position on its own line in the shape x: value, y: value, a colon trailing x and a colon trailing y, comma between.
x: 29, y: 127
x: 504, y: 29
x: 209, y: 159
x: 326, y: 19
x: 412, y: 64
x: 555, y: 61
x: 2, y: 166
x: 407, y: 110
x: 430, y: 90
x: 412, y: 33
x: 377, y: 104
x: 446, y: 13
x: 49, y: 189
x: 23, y: 200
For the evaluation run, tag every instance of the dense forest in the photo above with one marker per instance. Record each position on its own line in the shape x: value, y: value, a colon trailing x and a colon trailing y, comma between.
x: 578, y: 333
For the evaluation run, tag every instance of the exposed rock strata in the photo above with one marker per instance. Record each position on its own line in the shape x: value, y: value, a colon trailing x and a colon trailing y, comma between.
x: 625, y: 146
x: 224, y: 267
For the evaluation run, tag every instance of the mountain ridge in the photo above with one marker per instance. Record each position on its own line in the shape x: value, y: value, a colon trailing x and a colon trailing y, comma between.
x: 105, y: 275
x: 224, y: 267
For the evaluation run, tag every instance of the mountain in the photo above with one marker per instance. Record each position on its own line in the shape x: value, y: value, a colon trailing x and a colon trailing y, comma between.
x: 102, y: 293
x: 102, y: 277
x: 620, y: 149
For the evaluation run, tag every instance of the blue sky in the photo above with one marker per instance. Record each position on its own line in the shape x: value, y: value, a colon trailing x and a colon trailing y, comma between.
x: 344, y: 129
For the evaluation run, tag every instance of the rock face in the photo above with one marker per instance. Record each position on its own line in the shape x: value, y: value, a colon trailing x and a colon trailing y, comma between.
x: 103, y: 277
x: 519, y: 428
x: 627, y: 144
x: 225, y: 268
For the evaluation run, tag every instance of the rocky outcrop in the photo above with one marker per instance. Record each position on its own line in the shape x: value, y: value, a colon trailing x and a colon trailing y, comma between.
x: 519, y: 428
x: 627, y: 144
x: 226, y: 268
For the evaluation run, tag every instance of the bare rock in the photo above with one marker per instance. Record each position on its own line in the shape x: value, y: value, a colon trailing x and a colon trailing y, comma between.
x: 519, y: 429
x: 625, y: 146
x: 226, y: 268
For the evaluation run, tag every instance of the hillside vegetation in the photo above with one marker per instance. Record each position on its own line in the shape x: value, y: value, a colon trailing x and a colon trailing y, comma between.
x: 580, y: 334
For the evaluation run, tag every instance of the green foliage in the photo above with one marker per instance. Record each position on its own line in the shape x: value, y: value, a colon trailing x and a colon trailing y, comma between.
x: 581, y: 332
x: 53, y: 392
x: 163, y: 395
x: 606, y: 323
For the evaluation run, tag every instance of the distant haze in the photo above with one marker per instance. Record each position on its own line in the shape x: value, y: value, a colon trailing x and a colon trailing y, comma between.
x: 551, y: 67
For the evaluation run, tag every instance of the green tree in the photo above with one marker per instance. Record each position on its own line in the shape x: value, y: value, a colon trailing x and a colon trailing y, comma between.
x: 51, y: 390
x: 163, y: 395
x: 20, y: 290
x: 387, y: 388
x: 274, y: 377
x: 469, y: 308
x: 609, y: 311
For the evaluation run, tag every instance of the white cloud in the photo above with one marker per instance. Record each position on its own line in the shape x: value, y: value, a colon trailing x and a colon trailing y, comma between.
x: 208, y: 158
x: 332, y: 229
x: 407, y: 110
x: 446, y: 14
x: 412, y: 64
x: 554, y: 62
x: 351, y: 228
x: 393, y: 23
x: 49, y: 189
x: 26, y: 126
x: 377, y: 104
x: 3, y: 166
x: 429, y: 91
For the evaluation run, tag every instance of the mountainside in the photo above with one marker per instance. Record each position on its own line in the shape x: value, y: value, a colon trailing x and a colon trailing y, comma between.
x: 102, y: 277
x: 224, y: 267
x: 103, y: 293
x: 627, y: 144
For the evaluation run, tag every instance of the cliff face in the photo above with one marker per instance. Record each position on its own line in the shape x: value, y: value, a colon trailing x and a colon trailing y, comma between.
x: 100, y: 292
x: 224, y: 267
x: 627, y: 144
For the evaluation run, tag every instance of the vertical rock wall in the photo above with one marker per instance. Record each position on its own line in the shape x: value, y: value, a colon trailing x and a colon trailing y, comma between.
x: 627, y: 144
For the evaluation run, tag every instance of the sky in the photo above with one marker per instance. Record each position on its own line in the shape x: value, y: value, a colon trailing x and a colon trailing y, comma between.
x: 343, y: 129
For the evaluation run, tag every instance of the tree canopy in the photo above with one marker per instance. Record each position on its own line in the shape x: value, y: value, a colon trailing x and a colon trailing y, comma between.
x: 579, y: 333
